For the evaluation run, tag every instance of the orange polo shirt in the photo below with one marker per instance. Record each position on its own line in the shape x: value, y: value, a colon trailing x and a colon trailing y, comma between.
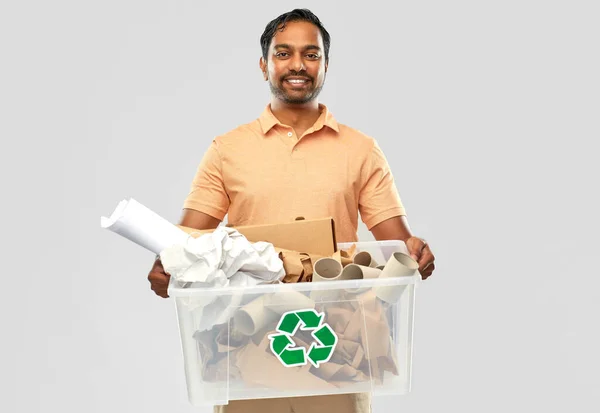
x: 262, y: 173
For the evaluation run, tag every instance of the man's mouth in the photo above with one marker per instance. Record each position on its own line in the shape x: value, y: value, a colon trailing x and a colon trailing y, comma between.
x: 297, y: 81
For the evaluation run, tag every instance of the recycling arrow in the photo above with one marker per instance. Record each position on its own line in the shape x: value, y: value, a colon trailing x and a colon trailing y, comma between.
x: 318, y: 353
x: 310, y: 319
x: 279, y: 343
x: 290, y: 357
x: 289, y: 323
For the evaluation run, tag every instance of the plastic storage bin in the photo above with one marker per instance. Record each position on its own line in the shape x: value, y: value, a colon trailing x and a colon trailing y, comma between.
x: 301, y: 339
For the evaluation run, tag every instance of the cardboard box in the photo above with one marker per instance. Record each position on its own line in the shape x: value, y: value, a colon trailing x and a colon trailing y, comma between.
x: 316, y: 236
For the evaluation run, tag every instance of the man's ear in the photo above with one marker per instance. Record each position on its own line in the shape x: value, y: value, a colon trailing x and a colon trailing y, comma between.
x: 263, y: 68
x: 326, y: 66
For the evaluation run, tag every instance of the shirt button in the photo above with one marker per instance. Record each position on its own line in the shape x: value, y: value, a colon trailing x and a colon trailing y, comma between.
x: 290, y: 134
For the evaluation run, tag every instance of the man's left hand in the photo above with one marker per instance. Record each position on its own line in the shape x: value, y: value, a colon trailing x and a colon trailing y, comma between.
x: 419, y: 250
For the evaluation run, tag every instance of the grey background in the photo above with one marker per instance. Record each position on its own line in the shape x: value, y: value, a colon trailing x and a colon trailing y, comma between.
x: 488, y: 113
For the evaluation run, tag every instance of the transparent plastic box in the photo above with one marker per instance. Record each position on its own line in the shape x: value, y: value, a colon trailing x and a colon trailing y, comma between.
x: 299, y: 339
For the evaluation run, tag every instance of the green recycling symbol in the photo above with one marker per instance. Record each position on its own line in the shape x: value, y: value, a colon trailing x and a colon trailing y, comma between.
x: 318, y: 353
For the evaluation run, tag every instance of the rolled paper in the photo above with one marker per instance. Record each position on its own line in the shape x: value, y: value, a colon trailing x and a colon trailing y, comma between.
x: 327, y: 269
x: 359, y: 272
x: 284, y: 301
x: 352, y: 272
x: 365, y: 259
x: 144, y: 227
x: 365, y: 272
x: 399, y: 265
x: 254, y: 316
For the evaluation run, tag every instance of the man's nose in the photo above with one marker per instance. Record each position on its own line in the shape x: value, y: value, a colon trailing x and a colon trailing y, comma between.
x: 297, y: 63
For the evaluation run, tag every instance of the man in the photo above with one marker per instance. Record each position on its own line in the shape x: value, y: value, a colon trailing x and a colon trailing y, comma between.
x: 296, y: 160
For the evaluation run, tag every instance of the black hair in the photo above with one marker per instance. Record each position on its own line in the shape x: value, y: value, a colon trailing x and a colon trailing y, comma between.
x: 293, y: 16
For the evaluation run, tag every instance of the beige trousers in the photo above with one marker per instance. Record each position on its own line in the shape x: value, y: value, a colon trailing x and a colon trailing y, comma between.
x: 338, y: 403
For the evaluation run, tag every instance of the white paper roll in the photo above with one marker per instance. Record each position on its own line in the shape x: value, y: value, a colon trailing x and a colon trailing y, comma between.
x: 142, y: 226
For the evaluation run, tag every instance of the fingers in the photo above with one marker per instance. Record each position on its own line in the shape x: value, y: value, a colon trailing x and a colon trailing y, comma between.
x: 427, y: 271
x: 159, y: 280
x: 426, y: 259
x: 426, y: 263
x: 415, y: 247
x: 159, y: 283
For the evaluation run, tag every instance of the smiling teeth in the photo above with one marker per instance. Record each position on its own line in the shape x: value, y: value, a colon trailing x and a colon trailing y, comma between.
x: 296, y: 81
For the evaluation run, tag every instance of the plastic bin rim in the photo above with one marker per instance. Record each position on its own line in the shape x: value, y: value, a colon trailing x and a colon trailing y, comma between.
x: 302, y: 286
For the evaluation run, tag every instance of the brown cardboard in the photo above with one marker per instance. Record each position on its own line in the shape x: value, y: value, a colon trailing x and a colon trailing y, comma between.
x: 315, y: 236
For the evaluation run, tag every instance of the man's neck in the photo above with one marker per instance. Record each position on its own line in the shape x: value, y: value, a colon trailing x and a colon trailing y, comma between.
x: 300, y: 117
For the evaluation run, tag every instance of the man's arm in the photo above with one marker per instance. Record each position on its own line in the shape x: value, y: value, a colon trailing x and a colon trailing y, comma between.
x: 397, y: 228
x: 198, y: 220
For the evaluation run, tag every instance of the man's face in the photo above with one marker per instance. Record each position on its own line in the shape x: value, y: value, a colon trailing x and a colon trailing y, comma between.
x: 296, y: 65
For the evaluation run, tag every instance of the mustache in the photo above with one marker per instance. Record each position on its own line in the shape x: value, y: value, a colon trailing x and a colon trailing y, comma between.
x: 297, y: 74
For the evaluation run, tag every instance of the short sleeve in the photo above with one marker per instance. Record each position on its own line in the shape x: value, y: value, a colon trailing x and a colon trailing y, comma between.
x: 379, y: 198
x: 207, y: 192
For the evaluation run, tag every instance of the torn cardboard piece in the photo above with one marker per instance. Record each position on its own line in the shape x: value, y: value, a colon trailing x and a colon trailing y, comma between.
x: 345, y: 257
x: 259, y: 367
x: 217, y: 349
x: 298, y: 266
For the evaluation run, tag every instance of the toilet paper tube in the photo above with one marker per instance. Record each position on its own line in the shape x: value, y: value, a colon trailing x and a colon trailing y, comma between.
x: 358, y: 272
x: 399, y: 265
x: 327, y: 269
x: 364, y: 258
x: 254, y: 316
x: 283, y: 302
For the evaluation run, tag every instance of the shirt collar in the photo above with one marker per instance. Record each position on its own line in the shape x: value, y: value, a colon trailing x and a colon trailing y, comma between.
x: 267, y: 120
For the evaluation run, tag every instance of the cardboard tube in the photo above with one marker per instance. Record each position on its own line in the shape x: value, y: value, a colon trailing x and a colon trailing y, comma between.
x: 365, y: 259
x: 359, y: 272
x: 355, y: 272
x: 327, y: 269
x: 369, y: 272
x: 285, y: 301
x: 399, y: 265
x: 254, y: 316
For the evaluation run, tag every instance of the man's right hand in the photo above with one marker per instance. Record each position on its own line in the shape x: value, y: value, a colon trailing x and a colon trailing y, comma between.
x: 159, y: 279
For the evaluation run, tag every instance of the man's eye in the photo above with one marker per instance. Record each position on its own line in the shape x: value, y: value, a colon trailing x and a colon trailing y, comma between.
x: 281, y: 54
x: 312, y: 56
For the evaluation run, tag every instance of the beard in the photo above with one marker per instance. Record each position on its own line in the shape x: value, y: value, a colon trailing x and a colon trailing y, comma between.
x: 298, y: 98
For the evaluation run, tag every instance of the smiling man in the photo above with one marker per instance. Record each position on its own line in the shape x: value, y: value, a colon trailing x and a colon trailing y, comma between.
x: 297, y: 160
x: 294, y: 81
